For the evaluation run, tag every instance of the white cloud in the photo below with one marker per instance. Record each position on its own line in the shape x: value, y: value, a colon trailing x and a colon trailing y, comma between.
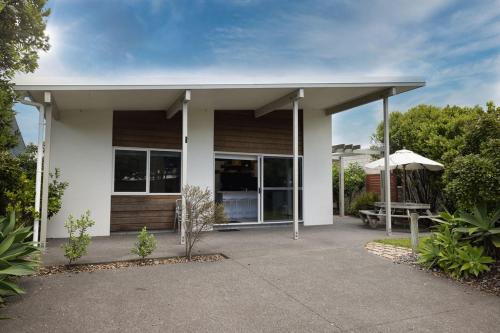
x: 454, y: 46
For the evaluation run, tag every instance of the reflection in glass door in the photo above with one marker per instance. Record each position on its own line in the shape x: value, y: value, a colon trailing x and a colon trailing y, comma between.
x: 277, y: 188
x: 236, y: 187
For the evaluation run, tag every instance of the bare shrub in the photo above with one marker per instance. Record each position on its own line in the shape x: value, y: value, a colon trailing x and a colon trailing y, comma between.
x: 202, y: 212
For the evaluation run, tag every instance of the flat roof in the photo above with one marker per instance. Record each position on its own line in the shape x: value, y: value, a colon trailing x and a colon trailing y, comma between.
x: 219, y: 96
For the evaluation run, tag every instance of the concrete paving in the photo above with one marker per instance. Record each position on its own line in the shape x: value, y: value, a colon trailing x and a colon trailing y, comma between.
x: 324, y: 282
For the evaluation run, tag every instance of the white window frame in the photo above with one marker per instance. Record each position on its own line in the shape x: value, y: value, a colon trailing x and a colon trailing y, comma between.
x: 148, y: 157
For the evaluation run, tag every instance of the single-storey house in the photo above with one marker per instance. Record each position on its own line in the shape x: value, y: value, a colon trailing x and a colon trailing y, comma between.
x: 126, y: 151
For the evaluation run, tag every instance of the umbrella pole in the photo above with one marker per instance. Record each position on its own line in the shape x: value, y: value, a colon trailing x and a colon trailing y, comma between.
x: 404, y: 183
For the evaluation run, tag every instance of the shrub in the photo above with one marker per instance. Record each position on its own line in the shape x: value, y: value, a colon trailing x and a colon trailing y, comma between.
x: 145, y: 245
x: 472, y: 260
x: 472, y: 179
x: 365, y: 200
x: 10, y: 171
x: 16, y: 256
x: 354, y: 180
x: 201, y: 213
x: 450, y: 248
x: 481, y: 226
x: 78, y: 240
x: 22, y: 198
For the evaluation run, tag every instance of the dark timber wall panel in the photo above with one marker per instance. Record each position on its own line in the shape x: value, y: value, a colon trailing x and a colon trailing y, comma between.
x: 240, y: 131
x: 132, y: 212
x: 147, y: 129
x: 372, y: 184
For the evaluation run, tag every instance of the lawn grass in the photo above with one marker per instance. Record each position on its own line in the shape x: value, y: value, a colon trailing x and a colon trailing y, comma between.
x: 403, y: 242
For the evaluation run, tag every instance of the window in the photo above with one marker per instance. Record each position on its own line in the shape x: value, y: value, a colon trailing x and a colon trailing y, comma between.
x: 147, y: 171
x: 130, y: 171
x: 164, y: 172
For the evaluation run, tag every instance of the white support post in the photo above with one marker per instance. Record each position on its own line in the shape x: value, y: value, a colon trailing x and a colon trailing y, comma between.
x: 341, y: 187
x: 414, y: 232
x: 296, y: 169
x: 45, y: 176
x: 38, y: 179
x: 387, y: 170
x: 185, y: 140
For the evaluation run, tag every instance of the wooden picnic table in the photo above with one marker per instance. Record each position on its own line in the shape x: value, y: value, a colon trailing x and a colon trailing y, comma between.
x: 404, y: 205
x: 399, y: 210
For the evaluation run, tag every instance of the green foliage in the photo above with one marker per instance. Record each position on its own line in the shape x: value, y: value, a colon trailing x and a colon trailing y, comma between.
x: 402, y: 242
x: 482, y: 130
x: 472, y: 261
x: 56, y: 191
x: 475, y: 177
x: 145, y: 245
x: 22, y: 35
x: 465, y: 139
x: 365, y: 200
x: 17, y: 256
x: 429, y: 252
x: 8, y: 139
x: 22, y: 198
x: 17, y: 186
x: 434, y: 132
x: 10, y: 173
x: 354, y: 181
x: 27, y: 160
x: 335, y: 180
x: 481, y: 226
x: 79, y: 239
x: 451, y: 247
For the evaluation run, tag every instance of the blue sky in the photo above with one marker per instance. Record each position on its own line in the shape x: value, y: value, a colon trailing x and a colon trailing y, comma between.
x: 453, y: 45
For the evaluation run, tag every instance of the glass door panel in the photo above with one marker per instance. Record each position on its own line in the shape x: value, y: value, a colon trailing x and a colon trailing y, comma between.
x: 278, y: 188
x: 236, y: 187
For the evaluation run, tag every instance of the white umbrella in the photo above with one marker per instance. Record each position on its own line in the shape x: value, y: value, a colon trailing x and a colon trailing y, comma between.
x: 407, y: 160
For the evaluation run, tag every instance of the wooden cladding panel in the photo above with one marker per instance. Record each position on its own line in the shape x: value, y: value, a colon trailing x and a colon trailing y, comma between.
x: 147, y: 129
x: 240, y: 131
x: 372, y: 184
x: 133, y: 212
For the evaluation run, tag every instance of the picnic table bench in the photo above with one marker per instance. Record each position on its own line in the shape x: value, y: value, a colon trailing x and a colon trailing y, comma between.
x: 399, y: 210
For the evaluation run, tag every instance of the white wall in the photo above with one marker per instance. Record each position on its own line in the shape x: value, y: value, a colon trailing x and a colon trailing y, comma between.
x: 200, y: 169
x: 318, y: 205
x: 82, y: 149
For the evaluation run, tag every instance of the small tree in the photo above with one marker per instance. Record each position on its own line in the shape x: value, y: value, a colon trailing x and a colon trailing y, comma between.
x: 145, y: 245
x: 201, y: 213
x: 79, y: 239
x: 354, y: 181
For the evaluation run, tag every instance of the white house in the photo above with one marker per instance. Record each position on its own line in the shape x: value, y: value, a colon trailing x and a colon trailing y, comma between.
x: 127, y: 150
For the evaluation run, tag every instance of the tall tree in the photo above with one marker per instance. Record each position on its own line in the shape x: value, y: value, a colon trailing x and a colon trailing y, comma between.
x: 22, y: 35
x: 465, y: 139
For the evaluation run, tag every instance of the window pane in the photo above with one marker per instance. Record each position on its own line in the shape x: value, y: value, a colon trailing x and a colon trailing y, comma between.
x: 278, y: 205
x: 130, y: 171
x: 278, y: 172
x: 165, y: 172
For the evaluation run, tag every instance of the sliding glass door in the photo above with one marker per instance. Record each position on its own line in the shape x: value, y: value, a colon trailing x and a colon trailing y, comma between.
x: 277, y: 188
x: 256, y: 188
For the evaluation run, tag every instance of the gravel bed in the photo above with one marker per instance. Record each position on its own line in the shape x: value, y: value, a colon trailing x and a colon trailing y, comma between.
x: 488, y: 282
x: 77, y: 268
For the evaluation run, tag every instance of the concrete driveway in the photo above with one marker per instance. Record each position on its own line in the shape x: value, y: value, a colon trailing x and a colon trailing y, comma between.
x: 324, y: 282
